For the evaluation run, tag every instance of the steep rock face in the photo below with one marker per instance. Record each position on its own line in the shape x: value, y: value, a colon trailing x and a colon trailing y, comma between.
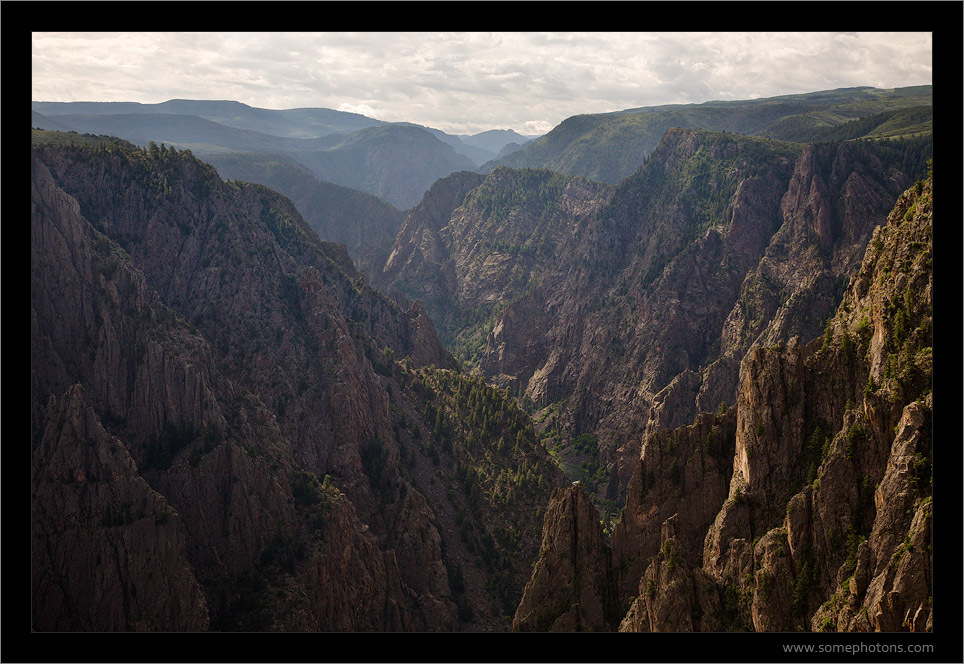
x: 615, y: 311
x: 622, y: 315
x: 831, y: 206
x: 817, y: 516
x: 220, y: 473
x: 683, y: 476
x: 673, y: 597
x: 851, y: 550
x: 891, y: 585
x: 365, y: 224
x: 888, y: 310
x: 717, y: 243
x: 93, y: 511
x: 474, y: 452
x: 770, y: 427
x: 418, y: 264
x: 571, y: 586
x: 269, y: 395
x: 476, y: 244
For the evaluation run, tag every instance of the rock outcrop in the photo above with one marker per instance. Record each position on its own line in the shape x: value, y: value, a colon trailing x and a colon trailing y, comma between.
x: 684, y: 475
x: 364, y: 223
x: 110, y: 552
x: 247, y: 395
x: 628, y: 308
x: 476, y: 243
x: 571, y: 587
x: 806, y: 506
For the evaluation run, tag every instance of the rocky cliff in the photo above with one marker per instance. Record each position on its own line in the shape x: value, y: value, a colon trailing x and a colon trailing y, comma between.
x: 807, y: 505
x: 570, y: 589
x: 365, y: 224
x: 476, y: 244
x: 216, y: 391
x: 710, y: 248
x: 618, y: 310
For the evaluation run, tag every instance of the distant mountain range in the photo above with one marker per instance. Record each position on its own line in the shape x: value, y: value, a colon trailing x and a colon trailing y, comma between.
x: 293, y: 123
x: 295, y: 150
x: 290, y: 123
x: 394, y: 161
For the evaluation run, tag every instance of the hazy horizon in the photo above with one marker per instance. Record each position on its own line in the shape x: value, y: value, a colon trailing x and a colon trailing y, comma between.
x: 467, y: 83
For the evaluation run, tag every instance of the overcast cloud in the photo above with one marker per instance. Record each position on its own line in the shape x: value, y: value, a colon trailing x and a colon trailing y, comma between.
x: 469, y: 82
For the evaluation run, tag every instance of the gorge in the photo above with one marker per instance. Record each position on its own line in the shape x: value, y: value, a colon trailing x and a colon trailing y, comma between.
x: 687, y: 389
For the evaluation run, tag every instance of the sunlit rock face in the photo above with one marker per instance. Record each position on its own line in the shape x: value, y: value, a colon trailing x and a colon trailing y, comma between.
x: 806, y: 505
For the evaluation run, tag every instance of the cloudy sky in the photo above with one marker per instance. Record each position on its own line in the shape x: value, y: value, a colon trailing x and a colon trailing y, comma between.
x: 468, y: 82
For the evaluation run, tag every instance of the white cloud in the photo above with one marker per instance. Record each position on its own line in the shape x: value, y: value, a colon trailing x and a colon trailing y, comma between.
x: 469, y: 82
x: 361, y: 109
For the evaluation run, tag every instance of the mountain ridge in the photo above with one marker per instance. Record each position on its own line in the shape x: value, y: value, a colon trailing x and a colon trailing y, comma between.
x: 826, y: 490
x: 219, y: 382
x: 303, y: 122
x: 747, y: 236
x: 611, y: 146
x: 296, y: 427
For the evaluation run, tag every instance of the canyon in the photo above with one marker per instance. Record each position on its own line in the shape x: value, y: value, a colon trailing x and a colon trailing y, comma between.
x: 690, y: 395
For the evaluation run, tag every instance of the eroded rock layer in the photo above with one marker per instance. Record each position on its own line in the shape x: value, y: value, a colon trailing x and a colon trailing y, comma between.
x: 614, y: 309
x: 231, y: 430
x: 807, y: 505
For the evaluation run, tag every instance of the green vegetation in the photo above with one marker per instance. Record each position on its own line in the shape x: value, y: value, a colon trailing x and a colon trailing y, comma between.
x: 856, y: 436
x: 158, y: 172
x: 910, y: 154
x: 579, y: 459
x: 905, y: 547
x: 534, y: 191
x: 815, y: 450
x: 671, y: 555
x: 853, y: 541
x: 828, y: 126
x: 315, y: 499
x: 802, y: 585
x: 610, y: 147
x: 481, y: 444
x: 706, y: 173
x: 466, y: 332
x: 765, y: 582
x: 720, y: 441
x: 908, y: 319
x: 374, y: 460
x: 736, y: 602
x: 758, y: 426
x: 847, y: 349
x: 922, y: 474
x: 42, y: 137
x: 281, y: 224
